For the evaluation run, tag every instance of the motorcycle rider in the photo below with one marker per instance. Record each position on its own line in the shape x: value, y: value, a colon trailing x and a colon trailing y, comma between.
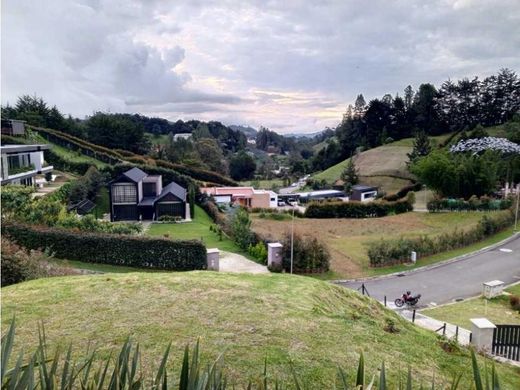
x: 407, y: 296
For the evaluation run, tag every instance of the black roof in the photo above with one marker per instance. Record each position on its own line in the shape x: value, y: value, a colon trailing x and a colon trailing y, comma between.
x: 360, y: 187
x: 135, y: 174
x: 175, y: 189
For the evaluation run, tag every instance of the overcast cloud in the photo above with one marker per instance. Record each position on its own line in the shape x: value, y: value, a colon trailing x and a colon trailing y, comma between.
x: 289, y: 65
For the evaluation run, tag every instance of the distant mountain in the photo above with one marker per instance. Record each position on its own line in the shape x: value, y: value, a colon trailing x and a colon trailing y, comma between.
x: 305, y: 135
x: 247, y: 130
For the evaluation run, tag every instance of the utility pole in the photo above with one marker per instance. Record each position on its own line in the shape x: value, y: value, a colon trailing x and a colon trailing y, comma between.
x: 517, y: 201
x: 292, y: 239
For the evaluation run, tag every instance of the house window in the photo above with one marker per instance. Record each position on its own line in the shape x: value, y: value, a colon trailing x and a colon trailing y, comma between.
x: 124, y: 193
x: 149, y: 189
x: 13, y: 162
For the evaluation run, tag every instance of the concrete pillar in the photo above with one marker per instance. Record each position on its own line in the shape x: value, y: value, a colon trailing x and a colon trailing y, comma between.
x: 413, y: 257
x: 188, y: 212
x: 213, y: 259
x: 274, y: 254
x: 482, y: 333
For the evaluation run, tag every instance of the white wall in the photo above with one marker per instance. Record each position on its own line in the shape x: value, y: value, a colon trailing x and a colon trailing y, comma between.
x: 273, y: 203
x: 368, y: 196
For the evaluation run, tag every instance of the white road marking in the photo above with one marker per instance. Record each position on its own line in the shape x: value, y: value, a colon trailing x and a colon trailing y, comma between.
x: 506, y: 250
x: 433, y: 304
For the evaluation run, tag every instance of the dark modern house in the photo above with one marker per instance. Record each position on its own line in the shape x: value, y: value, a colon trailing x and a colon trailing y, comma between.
x: 363, y: 193
x: 136, y: 196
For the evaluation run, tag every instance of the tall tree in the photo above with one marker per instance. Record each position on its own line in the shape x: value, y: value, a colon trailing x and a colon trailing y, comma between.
x: 359, y: 107
x: 350, y: 175
x: 408, y: 97
x: 242, y: 166
x: 421, y: 147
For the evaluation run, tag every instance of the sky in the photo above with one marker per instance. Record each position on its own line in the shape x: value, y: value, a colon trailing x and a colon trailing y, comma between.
x: 291, y: 66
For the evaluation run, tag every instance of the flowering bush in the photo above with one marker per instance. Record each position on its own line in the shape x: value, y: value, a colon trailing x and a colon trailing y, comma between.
x: 477, y: 145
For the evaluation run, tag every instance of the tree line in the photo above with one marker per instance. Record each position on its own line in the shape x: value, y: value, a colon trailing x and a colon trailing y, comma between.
x: 455, y: 106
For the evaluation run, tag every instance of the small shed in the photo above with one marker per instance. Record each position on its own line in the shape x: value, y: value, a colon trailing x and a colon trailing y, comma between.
x: 363, y: 193
x: 493, y: 289
x: 13, y: 127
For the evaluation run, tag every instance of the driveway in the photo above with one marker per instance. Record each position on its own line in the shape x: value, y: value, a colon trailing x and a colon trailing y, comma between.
x: 448, y: 282
x: 232, y: 262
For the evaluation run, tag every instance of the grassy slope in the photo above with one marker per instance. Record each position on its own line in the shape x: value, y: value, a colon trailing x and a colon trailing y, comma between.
x: 387, y: 160
x: 497, y: 310
x: 249, y: 317
x: 197, y: 229
x: 346, y: 238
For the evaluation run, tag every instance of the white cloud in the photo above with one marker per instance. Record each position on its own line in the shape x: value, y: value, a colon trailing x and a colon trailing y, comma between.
x: 289, y: 65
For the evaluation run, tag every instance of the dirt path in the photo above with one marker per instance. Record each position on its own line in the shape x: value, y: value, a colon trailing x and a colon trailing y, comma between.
x: 232, y: 262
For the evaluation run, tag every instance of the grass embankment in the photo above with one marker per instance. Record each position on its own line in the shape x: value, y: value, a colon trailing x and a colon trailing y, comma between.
x: 497, y: 310
x: 347, y: 238
x: 197, y: 229
x: 384, y: 166
x: 262, y: 184
x: 281, y: 318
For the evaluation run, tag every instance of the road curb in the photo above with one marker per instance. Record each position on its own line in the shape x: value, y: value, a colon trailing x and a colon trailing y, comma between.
x: 432, y: 266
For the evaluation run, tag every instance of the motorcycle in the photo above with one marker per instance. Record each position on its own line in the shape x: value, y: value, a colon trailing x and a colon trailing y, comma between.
x: 410, y: 301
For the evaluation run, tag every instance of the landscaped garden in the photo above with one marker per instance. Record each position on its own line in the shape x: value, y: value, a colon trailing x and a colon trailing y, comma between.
x: 197, y: 229
x: 498, y: 310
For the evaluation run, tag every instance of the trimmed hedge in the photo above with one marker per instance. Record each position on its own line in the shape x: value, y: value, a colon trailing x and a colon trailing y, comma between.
x: 403, y: 192
x: 475, y: 204
x: 115, y: 156
x: 389, y: 252
x: 357, y: 209
x: 156, y: 253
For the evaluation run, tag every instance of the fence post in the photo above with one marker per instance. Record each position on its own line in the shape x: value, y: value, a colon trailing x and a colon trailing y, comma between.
x: 385, y: 300
x: 444, y: 330
x: 413, y: 316
x: 457, y: 333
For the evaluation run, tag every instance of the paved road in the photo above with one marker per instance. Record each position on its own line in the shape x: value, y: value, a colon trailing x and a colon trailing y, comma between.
x: 461, y: 279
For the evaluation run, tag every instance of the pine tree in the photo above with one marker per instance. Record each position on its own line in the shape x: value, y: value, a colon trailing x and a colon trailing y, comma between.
x: 350, y: 175
x: 421, y: 147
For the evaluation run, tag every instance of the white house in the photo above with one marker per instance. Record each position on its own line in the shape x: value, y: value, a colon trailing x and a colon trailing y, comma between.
x: 21, y: 163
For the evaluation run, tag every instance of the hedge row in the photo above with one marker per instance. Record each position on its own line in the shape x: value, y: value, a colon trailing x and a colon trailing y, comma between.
x: 389, y: 252
x: 92, y: 150
x: 483, y: 204
x: 357, y: 209
x: 114, y: 156
x: 156, y: 253
x: 196, y: 173
x: 403, y: 192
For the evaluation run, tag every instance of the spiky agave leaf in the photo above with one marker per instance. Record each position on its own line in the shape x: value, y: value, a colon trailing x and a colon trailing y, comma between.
x: 360, y: 377
x: 382, y: 378
x: 476, y: 372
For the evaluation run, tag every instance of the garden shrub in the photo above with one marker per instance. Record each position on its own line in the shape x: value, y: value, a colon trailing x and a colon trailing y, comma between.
x: 388, y: 252
x: 309, y: 254
x: 241, y: 229
x: 484, y: 203
x: 20, y: 264
x: 258, y: 251
x: 142, y: 252
x: 514, y: 301
x: 356, y: 209
x: 403, y: 192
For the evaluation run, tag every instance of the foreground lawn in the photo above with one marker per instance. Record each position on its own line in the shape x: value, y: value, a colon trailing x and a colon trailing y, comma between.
x: 347, y: 238
x: 249, y: 318
x: 198, y: 229
x: 497, y: 310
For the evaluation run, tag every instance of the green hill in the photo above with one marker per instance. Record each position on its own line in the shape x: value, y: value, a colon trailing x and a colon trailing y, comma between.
x: 281, y: 318
x: 384, y: 166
